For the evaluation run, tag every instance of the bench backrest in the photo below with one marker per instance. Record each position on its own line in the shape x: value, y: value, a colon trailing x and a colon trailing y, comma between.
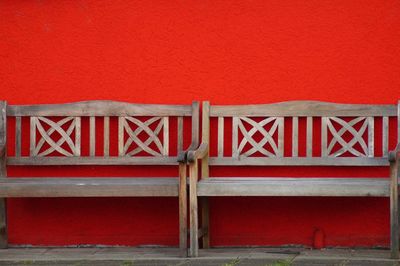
x: 334, y: 134
x: 56, y: 132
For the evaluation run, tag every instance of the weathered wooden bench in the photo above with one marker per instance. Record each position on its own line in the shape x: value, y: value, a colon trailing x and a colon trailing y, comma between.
x: 55, y: 137
x: 347, y: 135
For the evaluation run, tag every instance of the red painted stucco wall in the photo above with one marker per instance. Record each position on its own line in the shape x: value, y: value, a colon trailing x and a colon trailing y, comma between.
x: 228, y: 52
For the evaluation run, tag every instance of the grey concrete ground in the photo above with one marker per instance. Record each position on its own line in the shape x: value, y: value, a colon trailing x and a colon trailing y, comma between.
x: 124, y: 256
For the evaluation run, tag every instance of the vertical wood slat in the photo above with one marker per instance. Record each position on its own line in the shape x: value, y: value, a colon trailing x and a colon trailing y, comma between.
x: 193, y: 208
x: 183, y: 209
x: 205, y: 139
x: 385, y: 136
x: 398, y: 122
x: 235, y: 136
x: 3, y: 174
x: 180, y: 133
x: 309, y: 142
x: 324, y: 136
x: 78, y: 136
x: 221, y: 136
x: 32, y: 136
x: 295, y: 136
x: 92, y: 133
x: 394, y: 211
x: 121, y: 140
x: 281, y: 135
x: 165, y: 135
x: 371, y: 129
x: 18, y: 136
x: 106, y: 136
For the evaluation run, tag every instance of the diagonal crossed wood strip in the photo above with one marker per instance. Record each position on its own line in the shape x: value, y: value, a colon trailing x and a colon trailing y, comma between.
x: 347, y: 127
x: 267, y: 136
x: 46, y: 136
x: 152, y: 136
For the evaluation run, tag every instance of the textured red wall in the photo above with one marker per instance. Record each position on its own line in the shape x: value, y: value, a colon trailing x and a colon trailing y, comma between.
x: 229, y: 52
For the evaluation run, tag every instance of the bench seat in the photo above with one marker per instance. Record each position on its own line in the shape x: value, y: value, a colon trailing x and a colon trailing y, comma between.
x: 88, y: 187
x: 304, y: 186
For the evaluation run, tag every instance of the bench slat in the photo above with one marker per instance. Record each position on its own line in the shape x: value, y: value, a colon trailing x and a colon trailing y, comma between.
x: 99, y: 108
x: 299, y: 161
x: 303, y: 108
x: 89, y: 187
x: 331, y: 187
x: 161, y: 160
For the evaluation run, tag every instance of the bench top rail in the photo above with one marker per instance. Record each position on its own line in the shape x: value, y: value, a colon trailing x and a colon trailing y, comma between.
x: 99, y: 108
x: 303, y: 108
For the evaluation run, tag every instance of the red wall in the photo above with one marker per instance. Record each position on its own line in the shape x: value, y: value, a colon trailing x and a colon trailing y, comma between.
x: 228, y: 52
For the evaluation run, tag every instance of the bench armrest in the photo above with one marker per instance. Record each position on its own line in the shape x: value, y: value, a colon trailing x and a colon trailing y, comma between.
x: 395, y: 155
x: 199, y: 153
x: 182, y: 156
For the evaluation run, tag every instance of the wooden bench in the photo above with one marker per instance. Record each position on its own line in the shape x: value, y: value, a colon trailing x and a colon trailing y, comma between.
x: 55, y: 137
x: 347, y: 139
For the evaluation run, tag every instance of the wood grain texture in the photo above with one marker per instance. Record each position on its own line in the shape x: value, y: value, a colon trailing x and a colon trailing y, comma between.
x: 180, y: 134
x: 284, y: 187
x: 92, y: 136
x: 220, y: 136
x: 106, y: 138
x: 98, y: 160
x: 17, y: 136
x: 194, y: 239
x: 385, y: 136
x: 303, y: 108
x: 205, y: 139
x: 300, y: 161
x: 295, y: 136
x: 99, y: 108
x: 309, y: 142
x: 183, y: 209
x: 394, y: 209
x: 3, y: 173
x: 89, y: 187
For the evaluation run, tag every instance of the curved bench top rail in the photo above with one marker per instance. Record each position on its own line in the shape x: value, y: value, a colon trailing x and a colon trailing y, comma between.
x: 99, y: 108
x: 303, y: 108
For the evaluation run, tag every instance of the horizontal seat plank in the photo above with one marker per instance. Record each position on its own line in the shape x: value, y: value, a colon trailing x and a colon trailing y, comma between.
x: 82, y: 160
x: 304, y: 186
x: 88, y: 187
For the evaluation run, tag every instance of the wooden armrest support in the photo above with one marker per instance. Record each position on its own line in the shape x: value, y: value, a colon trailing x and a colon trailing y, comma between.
x: 2, y: 149
x: 182, y: 155
x: 395, y: 155
x: 199, y: 153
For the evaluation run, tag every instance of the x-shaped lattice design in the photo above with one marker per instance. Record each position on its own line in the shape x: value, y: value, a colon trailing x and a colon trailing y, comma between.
x: 357, y: 136
x: 258, y: 146
x: 46, y: 136
x: 142, y: 127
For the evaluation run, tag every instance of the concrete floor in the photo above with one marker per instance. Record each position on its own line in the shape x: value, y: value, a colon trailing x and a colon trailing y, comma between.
x: 125, y: 256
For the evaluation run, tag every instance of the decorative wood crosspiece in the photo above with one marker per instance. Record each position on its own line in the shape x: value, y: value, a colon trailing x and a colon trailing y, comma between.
x: 268, y: 136
x: 72, y: 147
x: 145, y: 141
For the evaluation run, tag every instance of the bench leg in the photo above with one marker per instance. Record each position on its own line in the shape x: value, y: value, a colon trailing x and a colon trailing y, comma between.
x: 194, y: 233
x: 394, y: 211
x: 3, y: 224
x: 205, y: 221
x: 182, y: 210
